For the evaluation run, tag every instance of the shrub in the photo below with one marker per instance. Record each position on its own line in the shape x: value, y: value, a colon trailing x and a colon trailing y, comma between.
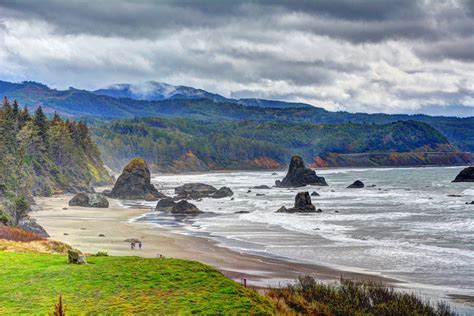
x: 101, y: 254
x: 351, y: 298
x: 17, y: 234
x: 59, y: 308
x: 21, y: 204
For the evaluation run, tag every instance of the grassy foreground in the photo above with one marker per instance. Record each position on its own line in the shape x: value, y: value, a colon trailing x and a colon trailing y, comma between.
x: 30, y: 283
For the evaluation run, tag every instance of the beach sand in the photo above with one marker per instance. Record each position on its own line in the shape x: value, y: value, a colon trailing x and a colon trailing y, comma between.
x: 80, y: 227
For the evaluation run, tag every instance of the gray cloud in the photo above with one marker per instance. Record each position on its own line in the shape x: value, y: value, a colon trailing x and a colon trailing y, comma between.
x: 358, y: 55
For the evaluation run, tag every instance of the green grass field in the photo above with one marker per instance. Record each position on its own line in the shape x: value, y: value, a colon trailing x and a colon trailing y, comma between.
x: 30, y: 283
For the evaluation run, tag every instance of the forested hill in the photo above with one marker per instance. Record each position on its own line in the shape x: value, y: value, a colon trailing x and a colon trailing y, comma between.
x: 195, y: 145
x: 41, y: 156
x: 73, y: 102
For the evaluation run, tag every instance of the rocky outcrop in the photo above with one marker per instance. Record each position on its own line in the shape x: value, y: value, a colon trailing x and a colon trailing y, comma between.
x: 299, y: 176
x: 222, y: 193
x: 466, y: 175
x: 182, y: 207
x: 196, y: 191
x: 135, y: 182
x: 302, y: 205
x: 89, y: 200
x: 165, y: 205
x: 261, y: 187
x: 315, y: 193
x: 31, y: 225
x: 356, y: 185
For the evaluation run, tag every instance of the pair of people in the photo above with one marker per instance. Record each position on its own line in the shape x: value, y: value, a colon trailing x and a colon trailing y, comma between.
x: 132, y: 245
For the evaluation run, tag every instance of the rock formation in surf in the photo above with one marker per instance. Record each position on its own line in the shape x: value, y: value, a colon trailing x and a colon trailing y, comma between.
x: 356, y: 185
x: 196, y: 191
x: 466, y: 175
x: 182, y: 207
x: 134, y: 182
x: 299, y: 176
x: 302, y: 205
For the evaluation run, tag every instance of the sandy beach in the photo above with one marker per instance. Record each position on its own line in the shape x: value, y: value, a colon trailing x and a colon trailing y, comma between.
x: 80, y: 227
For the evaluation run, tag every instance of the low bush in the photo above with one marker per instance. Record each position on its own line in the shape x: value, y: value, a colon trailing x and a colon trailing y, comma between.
x: 101, y: 254
x: 17, y: 234
x: 308, y: 297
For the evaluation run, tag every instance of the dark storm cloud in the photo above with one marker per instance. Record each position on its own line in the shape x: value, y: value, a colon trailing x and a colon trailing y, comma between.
x: 365, y: 55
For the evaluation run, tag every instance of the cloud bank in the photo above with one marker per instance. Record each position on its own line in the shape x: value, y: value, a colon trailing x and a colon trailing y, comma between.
x: 372, y: 56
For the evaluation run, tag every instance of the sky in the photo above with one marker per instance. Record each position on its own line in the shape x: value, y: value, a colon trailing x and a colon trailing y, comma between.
x: 403, y: 56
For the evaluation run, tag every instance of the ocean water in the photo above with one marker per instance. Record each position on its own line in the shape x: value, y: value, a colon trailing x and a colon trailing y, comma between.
x: 407, y: 226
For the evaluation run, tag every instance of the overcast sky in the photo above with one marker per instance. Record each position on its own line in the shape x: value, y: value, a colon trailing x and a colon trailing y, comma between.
x: 371, y: 56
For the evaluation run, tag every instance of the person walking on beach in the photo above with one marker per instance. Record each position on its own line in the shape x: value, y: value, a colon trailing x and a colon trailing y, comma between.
x: 140, y: 245
x: 132, y: 245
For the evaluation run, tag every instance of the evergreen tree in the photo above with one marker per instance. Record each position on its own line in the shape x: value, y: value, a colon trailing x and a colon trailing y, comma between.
x: 41, y: 122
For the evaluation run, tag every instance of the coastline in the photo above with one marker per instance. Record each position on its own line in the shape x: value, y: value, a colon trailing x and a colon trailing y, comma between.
x: 80, y: 227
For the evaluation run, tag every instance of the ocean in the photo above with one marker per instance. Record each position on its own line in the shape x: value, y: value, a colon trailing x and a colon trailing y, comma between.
x: 411, y: 224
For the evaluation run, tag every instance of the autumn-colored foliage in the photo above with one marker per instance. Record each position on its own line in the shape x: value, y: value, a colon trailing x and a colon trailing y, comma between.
x: 17, y: 234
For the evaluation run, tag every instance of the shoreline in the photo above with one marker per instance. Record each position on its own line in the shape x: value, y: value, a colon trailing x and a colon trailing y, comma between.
x: 80, y: 227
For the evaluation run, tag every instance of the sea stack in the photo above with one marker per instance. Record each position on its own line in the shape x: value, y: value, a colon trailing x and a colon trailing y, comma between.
x: 466, y: 175
x: 356, y: 185
x: 302, y: 205
x: 134, y: 182
x: 299, y: 176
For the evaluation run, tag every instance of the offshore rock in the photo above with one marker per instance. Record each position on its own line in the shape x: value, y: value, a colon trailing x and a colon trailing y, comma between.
x: 466, y: 175
x: 299, y: 176
x: 356, y: 185
x: 302, y: 205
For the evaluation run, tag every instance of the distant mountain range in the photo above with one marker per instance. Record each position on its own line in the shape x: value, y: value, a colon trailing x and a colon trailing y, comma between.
x: 167, y: 101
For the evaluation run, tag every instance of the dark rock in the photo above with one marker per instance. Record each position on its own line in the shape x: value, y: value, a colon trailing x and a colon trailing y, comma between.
x: 101, y: 235
x: 356, y: 185
x: 454, y: 195
x: 222, y: 193
x: 315, y: 193
x: 466, y: 175
x: 31, y: 225
x: 472, y: 202
x: 274, y: 174
x: 302, y: 205
x: 195, y: 191
x: 165, y: 205
x: 65, y: 234
x: 299, y: 176
x: 75, y: 256
x: 242, y: 212
x: 135, y: 182
x: 184, y: 207
x: 249, y: 191
x: 261, y: 187
x: 232, y: 199
x: 319, y: 210
x: 64, y: 208
x: 260, y: 194
x: 89, y: 200
x: 373, y: 186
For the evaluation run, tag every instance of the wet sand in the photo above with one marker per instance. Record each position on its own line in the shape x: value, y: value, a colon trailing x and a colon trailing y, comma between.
x: 80, y: 227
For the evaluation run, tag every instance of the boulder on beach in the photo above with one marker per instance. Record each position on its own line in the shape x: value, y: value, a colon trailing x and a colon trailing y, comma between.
x: 466, y: 175
x: 356, y: 185
x: 30, y: 224
x: 195, y: 191
x: 89, y: 200
x: 299, y: 176
x: 315, y: 193
x: 302, y: 205
x: 135, y: 182
x: 184, y: 207
x: 165, y: 205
